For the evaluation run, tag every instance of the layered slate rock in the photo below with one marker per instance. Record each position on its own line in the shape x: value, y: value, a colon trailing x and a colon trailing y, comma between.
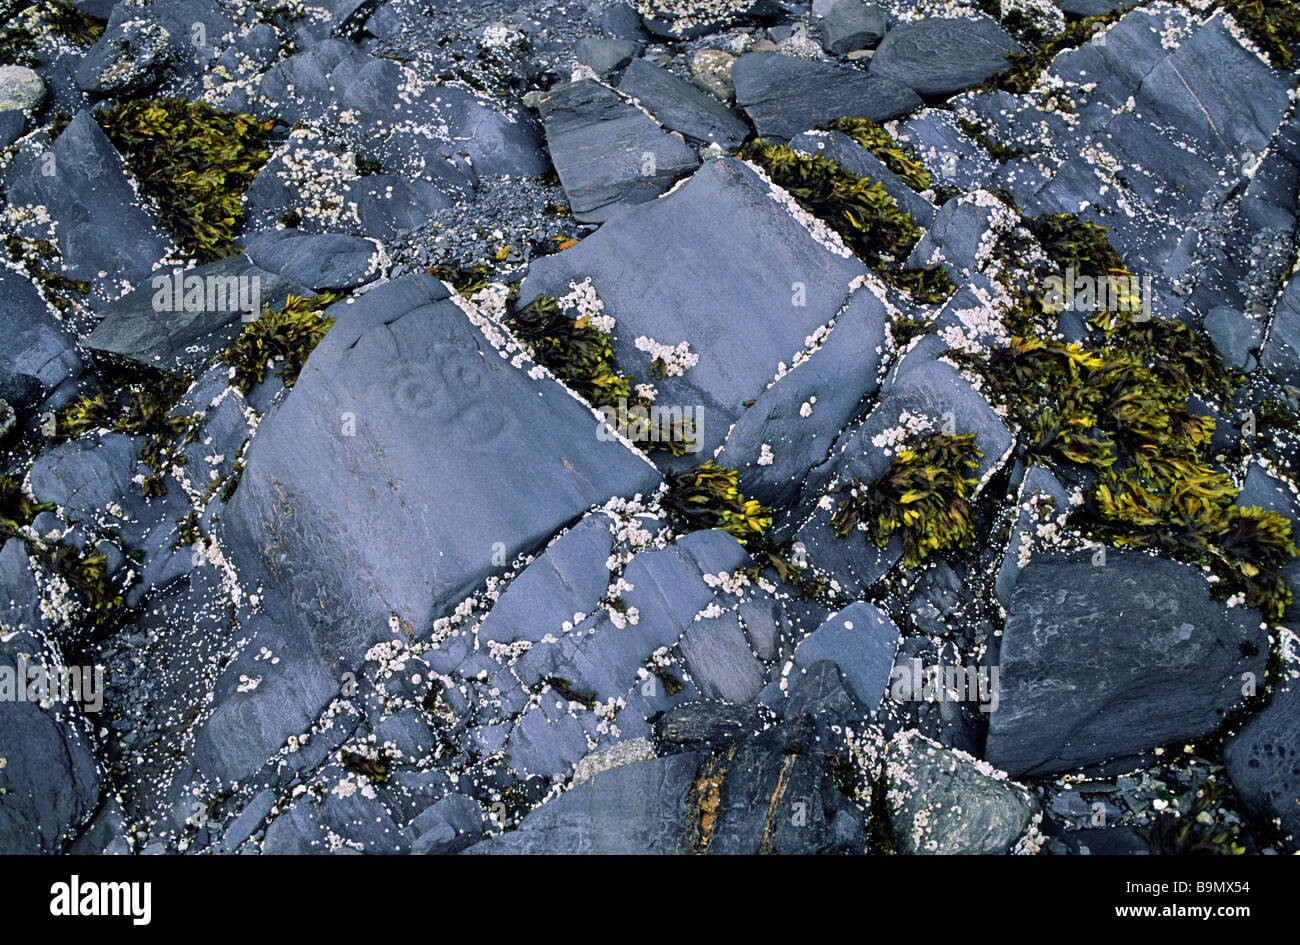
x: 49, y: 783
x: 943, y: 802
x: 181, y: 318
x: 378, y: 532
x: 608, y: 153
x: 793, y: 424
x: 936, y: 57
x: 861, y: 640
x: 687, y: 19
x: 98, y: 223
x: 732, y: 299
x: 783, y: 95
x: 35, y: 343
x: 1105, y: 662
x: 760, y: 790
x: 1263, y: 761
x: 679, y: 106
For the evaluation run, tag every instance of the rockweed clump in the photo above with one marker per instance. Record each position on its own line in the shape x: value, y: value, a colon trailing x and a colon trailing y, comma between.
x: 922, y: 496
x: 707, y: 496
x: 859, y: 210
x: 194, y: 163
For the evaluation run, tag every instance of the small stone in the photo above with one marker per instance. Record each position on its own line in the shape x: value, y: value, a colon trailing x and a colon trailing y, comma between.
x: 21, y: 89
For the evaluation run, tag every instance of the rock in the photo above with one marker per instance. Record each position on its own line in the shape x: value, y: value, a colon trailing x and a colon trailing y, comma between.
x: 12, y: 123
x: 179, y: 319
x: 1041, y: 499
x: 22, y: 392
x: 449, y: 826
x: 936, y: 57
x: 126, y: 60
x: 945, y: 802
x: 630, y: 809
x: 1106, y: 662
x: 783, y: 96
x: 1263, y: 761
x: 609, y: 155
x: 21, y: 89
x: 35, y: 343
x: 100, y: 226
x: 720, y: 661
x: 850, y: 25
x: 49, y: 784
x: 680, y: 106
x: 569, y: 577
x: 83, y: 476
x: 708, y: 726
x: 773, y: 444
x: 603, y: 54
x: 1280, y: 353
x: 402, y: 362
x: 719, y: 283
x: 317, y: 261
x: 1235, y: 336
x: 712, y: 62
x: 861, y: 641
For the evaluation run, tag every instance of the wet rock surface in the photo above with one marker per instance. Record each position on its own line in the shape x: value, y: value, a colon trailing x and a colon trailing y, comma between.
x: 465, y: 428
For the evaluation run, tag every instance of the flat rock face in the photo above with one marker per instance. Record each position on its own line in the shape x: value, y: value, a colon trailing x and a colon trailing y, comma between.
x: 50, y: 780
x: 1107, y: 662
x: 36, y: 343
x: 609, y: 154
x: 936, y: 57
x: 733, y: 299
x: 783, y: 95
x: 680, y: 106
x: 1263, y: 761
x: 99, y: 225
x: 927, y: 780
x: 373, y: 534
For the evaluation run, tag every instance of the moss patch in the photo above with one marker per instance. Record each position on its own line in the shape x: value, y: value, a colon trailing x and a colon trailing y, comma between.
x: 194, y: 163
x: 288, y: 336
x: 859, y: 210
x: 922, y: 497
x: 707, y: 496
